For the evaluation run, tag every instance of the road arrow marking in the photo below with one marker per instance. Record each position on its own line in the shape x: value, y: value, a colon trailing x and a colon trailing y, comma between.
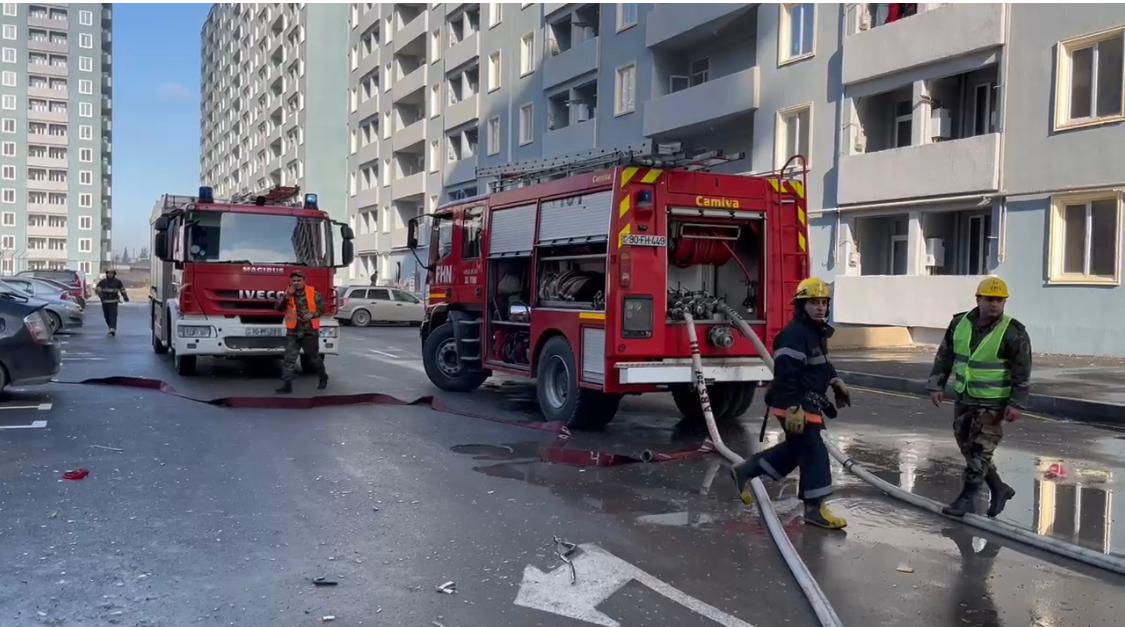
x: 600, y: 575
x: 38, y: 424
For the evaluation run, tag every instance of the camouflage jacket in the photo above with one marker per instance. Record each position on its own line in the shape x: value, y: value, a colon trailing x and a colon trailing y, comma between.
x: 1015, y: 350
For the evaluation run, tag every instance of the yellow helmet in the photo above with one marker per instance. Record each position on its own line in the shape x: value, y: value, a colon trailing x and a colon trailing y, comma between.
x: 812, y: 287
x: 993, y: 287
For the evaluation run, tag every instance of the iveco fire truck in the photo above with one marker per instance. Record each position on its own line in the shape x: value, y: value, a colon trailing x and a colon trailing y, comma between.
x: 219, y: 267
x: 571, y: 280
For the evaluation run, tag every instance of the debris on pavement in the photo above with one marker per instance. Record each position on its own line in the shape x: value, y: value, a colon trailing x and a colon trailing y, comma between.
x: 322, y: 581
x: 564, y: 550
x: 76, y: 475
x: 903, y: 568
x: 107, y: 448
x: 327, y: 619
x: 448, y: 587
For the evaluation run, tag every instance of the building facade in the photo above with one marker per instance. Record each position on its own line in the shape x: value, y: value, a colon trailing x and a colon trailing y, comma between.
x: 272, y: 109
x: 56, y: 107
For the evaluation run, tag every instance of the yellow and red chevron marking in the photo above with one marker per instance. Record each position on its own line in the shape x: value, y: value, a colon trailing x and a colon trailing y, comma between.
x: 794, y: 188
x: 647, y: 176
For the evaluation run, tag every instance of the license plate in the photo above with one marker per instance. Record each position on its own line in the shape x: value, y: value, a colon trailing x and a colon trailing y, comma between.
x: 652, y: 241
x: 263, y: 332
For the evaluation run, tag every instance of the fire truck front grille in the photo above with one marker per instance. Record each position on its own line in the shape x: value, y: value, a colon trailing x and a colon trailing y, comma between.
x: 255, y: 343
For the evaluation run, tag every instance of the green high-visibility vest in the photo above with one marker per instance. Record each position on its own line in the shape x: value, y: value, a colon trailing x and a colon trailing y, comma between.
x: 981, y: 373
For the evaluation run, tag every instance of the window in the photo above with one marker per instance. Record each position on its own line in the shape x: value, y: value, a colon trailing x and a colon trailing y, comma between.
x: 387, y: 125
x: 9, y: 102
x: 700, y: 71
x: 904, y: 122
x: 1091, y: 76
x: 8, y: 173
x: 626, y: 15
x: 85, y: 131
x: 85, y: 267
x: 495, y: 13
x: 9, y: 125
x: 86, y: 177
x: 435, y: 100
x: 85, y: 245
x: 85, y: 201
x: 10, y: 8
x: 386, y: 172
x: 796, y: 32
x: 8, y: 149
x: 494, y: 135
x: 9, y: 55
x: 85, y: 110
x: 1085, y: 239
x: 625, y: 90
x: 9, y: 79
x: 985, y: 98
x: 9, y: 31
x: 85, y: 87
x: 793, y: 131
x: 527, y: 124
x: 8, y: 196
x: 86, y: 155
x: 8, y: 242
x: 86, y: 18
x: 494, y: 71
x: 977, y: 253
x: 435, y: 155
x: 435, y: 46
x: 9, y: 219
x: 527, y: 54
x: 405, y: 297
x: 85, y: 223
x: 471, y: 233
x: 85, y: 40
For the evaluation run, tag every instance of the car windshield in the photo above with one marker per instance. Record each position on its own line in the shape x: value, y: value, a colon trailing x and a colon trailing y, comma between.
x: 258, y: 238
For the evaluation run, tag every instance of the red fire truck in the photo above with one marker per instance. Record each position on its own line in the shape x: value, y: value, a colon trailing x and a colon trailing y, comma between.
x: 569, y: 281
x: 218, y: 268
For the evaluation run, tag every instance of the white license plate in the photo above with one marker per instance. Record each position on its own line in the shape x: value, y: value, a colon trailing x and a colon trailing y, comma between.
x: 266, y: 332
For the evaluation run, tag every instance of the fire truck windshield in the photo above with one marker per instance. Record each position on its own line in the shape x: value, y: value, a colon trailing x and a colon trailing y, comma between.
x: 228, y: 237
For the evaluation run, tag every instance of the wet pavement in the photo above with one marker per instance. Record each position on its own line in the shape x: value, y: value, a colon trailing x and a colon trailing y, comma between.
x: 196, y: 514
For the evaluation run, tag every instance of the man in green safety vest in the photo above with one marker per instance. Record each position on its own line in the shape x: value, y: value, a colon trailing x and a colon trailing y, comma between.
x: 989, y: 355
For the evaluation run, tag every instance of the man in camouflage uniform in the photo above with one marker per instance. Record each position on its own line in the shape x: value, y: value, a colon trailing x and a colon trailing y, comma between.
x: 302, y: 324
x: 989, y: 355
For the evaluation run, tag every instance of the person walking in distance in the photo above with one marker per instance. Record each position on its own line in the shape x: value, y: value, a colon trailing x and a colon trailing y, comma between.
x: 111, y: 291
x: 303, y: 307
x: 989, y: 355
x: 802, y: 377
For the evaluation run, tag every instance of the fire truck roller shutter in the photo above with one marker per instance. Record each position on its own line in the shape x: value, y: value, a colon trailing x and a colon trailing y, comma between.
x: 585, y: 217
x: 513, y: 231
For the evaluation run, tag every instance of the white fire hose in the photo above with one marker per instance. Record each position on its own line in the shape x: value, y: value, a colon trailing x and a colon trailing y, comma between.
x: 1113, y: 563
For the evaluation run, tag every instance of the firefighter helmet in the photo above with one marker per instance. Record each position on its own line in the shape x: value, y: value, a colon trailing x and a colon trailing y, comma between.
x: 812, y: 287
x: 993, y: 287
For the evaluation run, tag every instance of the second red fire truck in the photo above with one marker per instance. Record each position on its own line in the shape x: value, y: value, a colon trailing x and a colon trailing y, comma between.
x: 571, y: 282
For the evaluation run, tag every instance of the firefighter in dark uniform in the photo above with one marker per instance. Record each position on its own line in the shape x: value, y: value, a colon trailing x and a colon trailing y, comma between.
x: 801, y: 378
x: 303, y: 307
x: 989, y: 355
x: 111, y: 291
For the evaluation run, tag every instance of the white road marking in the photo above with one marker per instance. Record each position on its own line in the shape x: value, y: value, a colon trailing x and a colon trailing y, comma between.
x: 39, y: 407
x: 413, y: 364
x: 38, y: 424
x: 600, y: 574
x: 392, y: 356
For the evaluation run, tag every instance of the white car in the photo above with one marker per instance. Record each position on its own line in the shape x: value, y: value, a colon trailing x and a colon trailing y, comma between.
x: 362, y: 306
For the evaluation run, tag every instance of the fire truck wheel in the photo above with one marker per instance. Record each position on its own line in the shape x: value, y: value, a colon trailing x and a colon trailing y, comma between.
x: 158, y: 347
x: 561, y: 399
x: 184, y: 364
x: 443, y: 364
x: 728, y: 401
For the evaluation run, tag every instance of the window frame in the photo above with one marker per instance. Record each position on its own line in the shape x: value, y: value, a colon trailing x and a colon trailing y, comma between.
x: 781, y: 133
x: 7, y: 192
x: 88, y: 220
x: 85, y: 109
x: 86, y: 18
x: 784, y: 28
x: 9, y: 53
x: 10, y: 9
x: 9, y: 122
x: 86, y: 41
x: 493, y: 146
x: 527, y: 65
x: 495, y: 13
x: 85, y: 245
x: 1056, y: 244
x: 499, y: 54
x: 619, y: 19
x: 618, y: 108
x: 7, y: 172
x: 1064, y: 73
x: 530, y: 126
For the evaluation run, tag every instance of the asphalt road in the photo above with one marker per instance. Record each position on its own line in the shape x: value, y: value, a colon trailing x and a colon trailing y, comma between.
x: 194, y: 514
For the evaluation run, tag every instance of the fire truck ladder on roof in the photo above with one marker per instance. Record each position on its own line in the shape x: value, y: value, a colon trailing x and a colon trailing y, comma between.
x: 533, y: 171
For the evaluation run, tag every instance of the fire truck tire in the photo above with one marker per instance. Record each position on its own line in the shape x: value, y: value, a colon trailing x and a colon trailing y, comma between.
x: 158, y: 347
x: 728, y: 401
x: 442, y: 362
x: 746, y: 399
x: 184, y: 364
x: 560, y: 398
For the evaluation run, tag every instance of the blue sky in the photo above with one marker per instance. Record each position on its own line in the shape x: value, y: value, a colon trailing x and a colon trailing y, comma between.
x: 155, y: 111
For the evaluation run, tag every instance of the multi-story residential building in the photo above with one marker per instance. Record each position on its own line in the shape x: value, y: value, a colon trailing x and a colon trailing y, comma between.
x: 272, y: 109
x: 56, y: 105
x: 944, y: 142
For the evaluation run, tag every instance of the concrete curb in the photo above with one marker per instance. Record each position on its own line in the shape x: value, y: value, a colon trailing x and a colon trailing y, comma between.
x: 1077, y: 409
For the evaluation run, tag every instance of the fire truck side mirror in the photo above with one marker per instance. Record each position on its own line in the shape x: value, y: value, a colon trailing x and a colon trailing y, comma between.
x: 160, y: 241
x: 412, y: 234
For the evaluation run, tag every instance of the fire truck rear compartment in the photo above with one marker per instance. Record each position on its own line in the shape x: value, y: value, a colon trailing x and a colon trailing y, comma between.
x: 722, y: 259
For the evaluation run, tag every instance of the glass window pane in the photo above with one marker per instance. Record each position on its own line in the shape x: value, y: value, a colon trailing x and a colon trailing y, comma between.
x: 1074, y: 239
x: 1081, y: 73
x: 1109, y: 76
x: 899, y: 257
x: 795, y: 30
x: 791, y: 135
x: 1103, y: 237
x: 902, y: 133
x: 981, y: 112
x: 378, y: 295
x: 806, y: 28
x: 803, y: 133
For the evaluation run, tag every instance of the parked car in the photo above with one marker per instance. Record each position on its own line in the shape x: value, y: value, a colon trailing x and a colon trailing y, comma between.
x: 75, y: 292
x: 28, y: 352
x: 70, y: 278
x: 362, y: 306
x: 60, y: 314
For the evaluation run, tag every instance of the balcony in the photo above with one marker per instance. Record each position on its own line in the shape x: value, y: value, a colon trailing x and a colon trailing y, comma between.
x: 49, y: 140
x: 409, y: 84
x: 382, y: 240
x: 576, y: 137
x: 409, y: 186
x: 708, y: 102
x: 47, y: 22
x: 977, y: 27
x: 960, y: 166
x: 47, y: 92
x: 410, y: 32
x: 410, y: 135
x: 50, y: 209
x: 46, y: 116
x: 367, y: 63
x: 462, y: 112
x: 550, y: 8
x: 679, y: 25
x: 575, y: 62
x: 366, y: 197
x: 47, y: 185
x: 47, y: 69
x: 370, y: 152
x: 366, y: 243
x: 463, y: 171
x: 46, y: 231
x: 463, y: 52
x: 398, y: 238
x: 47, y: 162
x: 46, y: 46
x: 44, y: 253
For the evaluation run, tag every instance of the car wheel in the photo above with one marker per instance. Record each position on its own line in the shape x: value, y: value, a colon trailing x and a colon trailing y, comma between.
x: 560, y: 397
x: 361, y: 317
x: 54, y: 322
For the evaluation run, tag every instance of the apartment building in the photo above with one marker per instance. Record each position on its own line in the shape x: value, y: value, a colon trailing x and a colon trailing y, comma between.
x: 945, y: 142
x: 272, y: 109
x: 56, y: 108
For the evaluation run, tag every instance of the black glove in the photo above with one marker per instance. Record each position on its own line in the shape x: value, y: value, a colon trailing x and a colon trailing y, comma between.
x: 840, y: 391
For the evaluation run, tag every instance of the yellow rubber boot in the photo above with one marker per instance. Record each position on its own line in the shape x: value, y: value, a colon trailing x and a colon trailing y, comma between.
x: 742, y: 474
x: 821, y: 516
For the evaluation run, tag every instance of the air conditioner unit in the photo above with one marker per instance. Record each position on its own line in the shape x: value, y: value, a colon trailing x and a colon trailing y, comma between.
x: 941, y: 124
x: 935, y: 252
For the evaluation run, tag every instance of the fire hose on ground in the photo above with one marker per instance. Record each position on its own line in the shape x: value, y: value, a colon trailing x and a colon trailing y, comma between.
x: 1058, y: 547
x: 811, y: 589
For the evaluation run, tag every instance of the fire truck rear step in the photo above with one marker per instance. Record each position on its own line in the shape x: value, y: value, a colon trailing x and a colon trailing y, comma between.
x: 679, y: 371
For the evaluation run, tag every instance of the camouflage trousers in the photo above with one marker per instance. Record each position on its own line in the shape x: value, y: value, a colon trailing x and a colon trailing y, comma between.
x: 294, y: 344
x: 978, y: 431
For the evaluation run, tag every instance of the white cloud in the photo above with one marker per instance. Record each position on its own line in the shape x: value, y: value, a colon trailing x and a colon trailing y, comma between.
x: 175, y: 92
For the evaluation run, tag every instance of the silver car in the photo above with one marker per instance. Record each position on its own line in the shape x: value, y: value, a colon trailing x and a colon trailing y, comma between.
x: 362, y: 306
x: 59, y: 307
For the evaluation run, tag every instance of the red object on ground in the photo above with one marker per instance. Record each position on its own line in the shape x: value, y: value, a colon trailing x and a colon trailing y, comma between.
x: 76, y: 475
